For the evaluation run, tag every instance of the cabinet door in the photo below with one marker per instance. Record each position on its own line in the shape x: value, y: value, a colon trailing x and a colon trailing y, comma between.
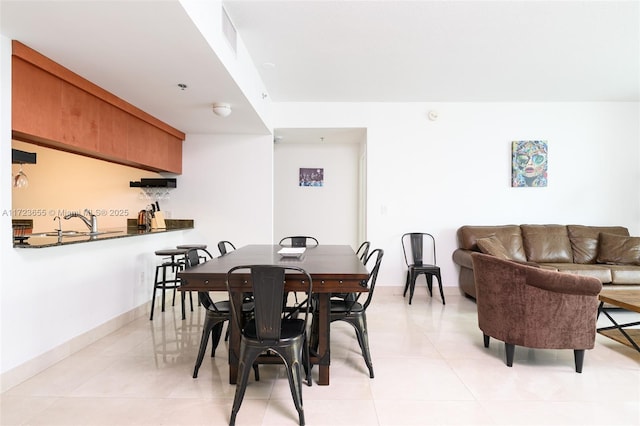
x: 174, y: 160
x: 142, y: 146
x: 112, y: 138
x: 80, y: 118
x: 36, y: 100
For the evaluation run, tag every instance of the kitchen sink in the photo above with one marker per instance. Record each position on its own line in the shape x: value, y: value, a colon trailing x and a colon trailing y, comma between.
x: 65, y: 233
x: 74, y: 234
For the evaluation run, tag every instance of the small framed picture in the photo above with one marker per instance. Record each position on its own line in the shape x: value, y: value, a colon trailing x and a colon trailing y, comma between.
x: 529, y: 163
x: 311, y: 177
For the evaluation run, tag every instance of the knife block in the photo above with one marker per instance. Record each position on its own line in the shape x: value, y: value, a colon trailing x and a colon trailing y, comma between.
x: 157, y: 222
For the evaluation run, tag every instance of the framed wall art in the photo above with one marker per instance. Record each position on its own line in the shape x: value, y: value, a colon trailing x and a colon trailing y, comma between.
x: 311, y: 177
x: 529, y: 163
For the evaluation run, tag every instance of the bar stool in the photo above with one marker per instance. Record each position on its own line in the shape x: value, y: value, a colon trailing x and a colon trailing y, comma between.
x: 202, y: 247
x: 167, y: 281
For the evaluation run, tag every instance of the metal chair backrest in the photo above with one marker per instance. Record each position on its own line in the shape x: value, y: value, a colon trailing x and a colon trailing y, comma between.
x: 267, y: 282
x: 192, y: 258
x: 363, y: 251
x: 299, y: 241
x: 419, y: 248
x: 225, y: 246
x: 373, y: 261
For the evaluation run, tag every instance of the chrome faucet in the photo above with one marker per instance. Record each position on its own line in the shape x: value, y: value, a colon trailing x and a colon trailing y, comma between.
x: 59, y: 225
x: 91, y: 223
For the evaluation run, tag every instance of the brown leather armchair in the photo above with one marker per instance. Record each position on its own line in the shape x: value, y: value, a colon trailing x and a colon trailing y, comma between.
x: 528, y: 306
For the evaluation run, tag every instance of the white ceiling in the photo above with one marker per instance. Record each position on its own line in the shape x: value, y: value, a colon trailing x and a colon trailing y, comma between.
x: 341, y: 51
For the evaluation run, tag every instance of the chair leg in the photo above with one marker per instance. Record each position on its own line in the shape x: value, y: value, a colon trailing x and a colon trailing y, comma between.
x: 509, y: 349
x: 295, y: 378
x: 412, y: 286
x: 164, y: 284
x: 429, y: 278
x: 406, y: 284
x: 216, y: 333
x: 360, y: 325
x: 578, y: 356
x: 182, y: 297
x: 306, y: 359
x: 153, y: 296
x: 486, y: 340
x: 440, y: 285
x: 206, y: 329
x: 247, y: 358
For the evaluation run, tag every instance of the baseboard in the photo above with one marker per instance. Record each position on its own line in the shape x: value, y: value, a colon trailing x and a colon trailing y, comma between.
x: 397, y: 291
x: 34, y: 366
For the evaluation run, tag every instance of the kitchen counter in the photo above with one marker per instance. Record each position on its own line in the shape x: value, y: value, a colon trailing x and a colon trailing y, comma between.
x: 43, y: 240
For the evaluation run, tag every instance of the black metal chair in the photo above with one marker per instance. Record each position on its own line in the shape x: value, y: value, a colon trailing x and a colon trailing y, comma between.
x: 355, y: 312
x: 299, y: 241
x: 225, y: 246
x: 420, y: 256
x: 216, y: 314
x: 363, y: 250
x: 362, y: 253
x: 271, y: 330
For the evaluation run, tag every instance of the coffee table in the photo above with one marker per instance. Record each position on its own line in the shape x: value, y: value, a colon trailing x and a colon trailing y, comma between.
x: 625, y: 299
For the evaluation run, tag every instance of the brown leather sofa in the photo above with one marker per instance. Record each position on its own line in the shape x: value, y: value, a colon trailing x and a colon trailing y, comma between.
x: 607, y: 253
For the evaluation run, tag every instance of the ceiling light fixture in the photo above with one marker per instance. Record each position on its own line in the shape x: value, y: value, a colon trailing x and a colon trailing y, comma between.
x: 222, y: 110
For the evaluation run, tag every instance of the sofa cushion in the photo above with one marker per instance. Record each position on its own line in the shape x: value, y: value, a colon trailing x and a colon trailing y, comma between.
x: 584, y: 240
x: 625, y: 274
x: 509, y: 235
x: 493, y: 246
x: 618, y: 250
x: 601, y: 272
x: 546, y: 243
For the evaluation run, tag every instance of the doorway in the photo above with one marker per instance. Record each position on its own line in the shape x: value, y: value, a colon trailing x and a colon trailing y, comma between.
x: 320, y: 184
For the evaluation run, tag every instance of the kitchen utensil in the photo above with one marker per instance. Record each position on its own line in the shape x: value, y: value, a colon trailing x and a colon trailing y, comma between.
x: 143, y: 219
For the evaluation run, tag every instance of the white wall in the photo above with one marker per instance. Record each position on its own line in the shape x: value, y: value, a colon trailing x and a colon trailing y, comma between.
x: 227, y: 187
x: 436, y: 176
x: 330, y: 212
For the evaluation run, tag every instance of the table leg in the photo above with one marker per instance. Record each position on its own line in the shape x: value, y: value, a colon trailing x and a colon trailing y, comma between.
x: 324, y: 351
x: 618, y: 327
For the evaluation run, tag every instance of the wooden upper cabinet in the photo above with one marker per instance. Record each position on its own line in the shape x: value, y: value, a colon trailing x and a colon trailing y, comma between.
x: 80, y: 119
x: 113, y: 136
x: 37, y: 100
x: 54, y: 107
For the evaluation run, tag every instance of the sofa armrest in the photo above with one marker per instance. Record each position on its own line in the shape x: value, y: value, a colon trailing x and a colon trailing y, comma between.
x: 561, y: 282
x: 462, y: 257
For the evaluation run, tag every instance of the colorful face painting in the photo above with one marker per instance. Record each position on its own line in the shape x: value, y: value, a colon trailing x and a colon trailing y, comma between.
x: 529, y: 164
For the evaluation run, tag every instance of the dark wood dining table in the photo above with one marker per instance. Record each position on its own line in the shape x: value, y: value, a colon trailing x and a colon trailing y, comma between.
x: 333, y: 268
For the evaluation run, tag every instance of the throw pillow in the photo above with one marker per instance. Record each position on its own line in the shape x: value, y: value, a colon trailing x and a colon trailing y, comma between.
x: 584, y: 240
x: 616, y: 249
x: 493, y: 246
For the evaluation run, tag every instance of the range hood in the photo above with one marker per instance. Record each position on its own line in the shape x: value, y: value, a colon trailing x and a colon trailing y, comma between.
x: 22, y: 157
x: 154, y: 183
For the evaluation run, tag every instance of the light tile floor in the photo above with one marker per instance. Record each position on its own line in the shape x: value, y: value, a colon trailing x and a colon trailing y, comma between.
x: 430, y: 369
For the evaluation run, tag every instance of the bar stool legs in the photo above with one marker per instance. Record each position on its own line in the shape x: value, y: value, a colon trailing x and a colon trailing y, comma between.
x: 163, y: 283
x: 164, y: 280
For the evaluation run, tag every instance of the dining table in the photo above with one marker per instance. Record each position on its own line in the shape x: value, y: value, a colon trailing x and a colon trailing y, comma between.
x: 333, y: 269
